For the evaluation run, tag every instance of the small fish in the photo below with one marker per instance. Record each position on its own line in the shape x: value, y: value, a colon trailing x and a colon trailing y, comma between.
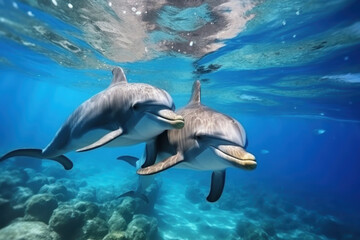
x: 319, y: 131
x: 264, y: 151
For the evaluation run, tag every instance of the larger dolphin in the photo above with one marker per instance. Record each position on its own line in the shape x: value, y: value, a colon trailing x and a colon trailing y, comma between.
x: 123, y: 114
x: 209, y: 140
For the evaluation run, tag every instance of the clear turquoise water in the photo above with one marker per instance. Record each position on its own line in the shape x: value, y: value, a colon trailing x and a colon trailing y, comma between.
x: 289, y: 71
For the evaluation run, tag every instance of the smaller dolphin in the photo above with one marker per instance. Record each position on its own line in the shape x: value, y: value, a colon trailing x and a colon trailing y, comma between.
x: 209, y: 140
x: 123, y: 114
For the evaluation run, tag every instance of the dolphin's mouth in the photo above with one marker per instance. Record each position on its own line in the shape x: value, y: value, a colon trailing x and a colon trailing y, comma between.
x: 170, y: 117
x: 237, y: 156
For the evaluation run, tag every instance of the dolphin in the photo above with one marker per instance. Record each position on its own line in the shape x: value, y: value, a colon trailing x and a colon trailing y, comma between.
x: 123, y: 114
x: 209, y: 141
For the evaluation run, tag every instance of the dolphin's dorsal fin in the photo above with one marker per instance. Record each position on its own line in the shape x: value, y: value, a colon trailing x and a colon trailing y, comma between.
x: 118, y: 76
x: 196, y: 92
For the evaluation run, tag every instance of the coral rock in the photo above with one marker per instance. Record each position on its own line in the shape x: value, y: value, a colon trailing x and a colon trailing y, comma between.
x: 87, y: 194
x: 58, y: 190
x: 116, y: 236
x: 127, y: 208
x: 88, y: 209
x: 117, y: 222
x: 28, y: 231
x: 21, y: 195
x: 67, y: 221
x: 37, y: 182
x: 40, y: 207
x: 9, y: 180
x: 7, y: 212
x: 142, y: 228
x: 95, y: 228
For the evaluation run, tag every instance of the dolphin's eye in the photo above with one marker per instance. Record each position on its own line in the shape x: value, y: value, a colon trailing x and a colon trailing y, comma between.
x: 197, y: 137
x: 136, y: 106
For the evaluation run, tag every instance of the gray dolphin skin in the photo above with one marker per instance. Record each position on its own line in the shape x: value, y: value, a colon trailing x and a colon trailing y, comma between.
x: 123, y: 114
x: 209, y: 140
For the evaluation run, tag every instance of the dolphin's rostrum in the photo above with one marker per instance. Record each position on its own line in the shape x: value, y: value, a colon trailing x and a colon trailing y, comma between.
x: 123, y: 114
x: 209, y: 140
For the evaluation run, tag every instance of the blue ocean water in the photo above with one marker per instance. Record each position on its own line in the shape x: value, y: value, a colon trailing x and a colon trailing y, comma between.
x: 289, y: 71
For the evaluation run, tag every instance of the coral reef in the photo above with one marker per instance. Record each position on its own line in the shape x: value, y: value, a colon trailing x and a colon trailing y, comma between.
x: 88, y: 194
x: 9, y: 180
x: 21, y: 195
x: 67, y: 221
x: 36, y: 182
x: 116, y: 236
x: 88, y: 209
x: 58, y: 190
x: 117, y: 222
x: 40, y: 207
x: 28, y: 231
x: 8, y: 213
x: 36, y: 206
x: 127, y: 208
x: 142, y: 227
x: 95, y: 228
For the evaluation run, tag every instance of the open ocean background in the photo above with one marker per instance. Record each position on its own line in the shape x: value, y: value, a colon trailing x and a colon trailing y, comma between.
x: 289, y: 71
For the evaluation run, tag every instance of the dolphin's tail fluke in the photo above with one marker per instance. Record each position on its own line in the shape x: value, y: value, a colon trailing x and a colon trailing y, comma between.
x: 135, y: 194
x: 37, y: 153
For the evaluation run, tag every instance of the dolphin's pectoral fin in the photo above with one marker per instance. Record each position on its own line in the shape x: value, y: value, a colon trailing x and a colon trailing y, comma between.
x: 102, y: 141
x: 150, y: 154
x: 37, y: 153
x: 161, y: 166
x: 217, y: 185
x: 129, y: 159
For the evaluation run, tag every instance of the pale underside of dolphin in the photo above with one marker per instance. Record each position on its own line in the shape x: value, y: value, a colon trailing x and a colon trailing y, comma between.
x: 209, y: 141
x: 123, y: 114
